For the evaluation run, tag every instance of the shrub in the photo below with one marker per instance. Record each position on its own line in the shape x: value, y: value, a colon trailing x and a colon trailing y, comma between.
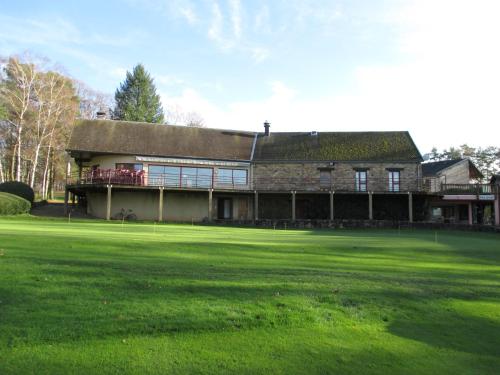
x: 11, y: 204
x: 18, y: 188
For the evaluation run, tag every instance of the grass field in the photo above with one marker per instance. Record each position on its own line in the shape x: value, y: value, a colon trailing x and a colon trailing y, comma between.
x: 94, y: 297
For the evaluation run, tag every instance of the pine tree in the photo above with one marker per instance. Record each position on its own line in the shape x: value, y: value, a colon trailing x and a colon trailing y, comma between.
x: 137, y: 100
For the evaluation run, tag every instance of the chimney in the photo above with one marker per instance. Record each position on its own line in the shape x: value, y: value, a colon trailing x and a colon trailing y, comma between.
x: 100, y: 115
x: 267, y: 125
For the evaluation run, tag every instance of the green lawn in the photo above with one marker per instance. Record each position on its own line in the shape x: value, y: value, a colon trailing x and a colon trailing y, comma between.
x: 94, y: 297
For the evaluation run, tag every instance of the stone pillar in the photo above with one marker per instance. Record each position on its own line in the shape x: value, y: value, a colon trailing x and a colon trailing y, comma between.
x: 108, y: 204
x: 293, y: 205
x: 370, y: 205
x: 210, y: 191
x: 66, y: 198
x: 160, y: 205
x: 410, y: 207
x: 470, y: 213
x: 331, y: 205
x: 256, y: 205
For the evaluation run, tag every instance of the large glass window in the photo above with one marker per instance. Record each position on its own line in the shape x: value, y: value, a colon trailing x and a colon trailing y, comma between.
x: 232, y: 176
x: 189, y: 177
x: 394, y: 180
x: 361, y: 180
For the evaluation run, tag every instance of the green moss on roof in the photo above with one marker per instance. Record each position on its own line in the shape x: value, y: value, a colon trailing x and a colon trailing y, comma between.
x: 135, y: 138
x: 348, y: 146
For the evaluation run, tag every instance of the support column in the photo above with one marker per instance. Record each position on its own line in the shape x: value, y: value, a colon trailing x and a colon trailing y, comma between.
x: 108, y: 204
x: 256, y: 205
x: 210, y: 191
x: 410, y: 207
x: 470, y: 213
x: 370, y: 205
x: 160, y: 205
x: 497, y: 210
x: 66, y: 199
x: 293, y: 205
x: 331, y: 205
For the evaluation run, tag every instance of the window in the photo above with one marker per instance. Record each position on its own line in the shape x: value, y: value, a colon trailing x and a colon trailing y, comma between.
x: 325, y: 179
x: 232, y: 177
x: 190, y: 177
x: 361, y: 180
x: 129, y: 166
x: 394, y: 180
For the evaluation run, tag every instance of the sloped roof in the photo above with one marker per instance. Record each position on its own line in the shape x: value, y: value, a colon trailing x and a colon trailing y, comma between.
x: 135, y: 138
x: 337, y: 146
x: 433, y: 168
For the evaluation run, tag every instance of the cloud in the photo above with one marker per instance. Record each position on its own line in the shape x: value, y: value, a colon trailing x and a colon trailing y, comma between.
x: 236, y: 17
x: 53, y: 31
x: 215, y: 29
x: 189, y: 15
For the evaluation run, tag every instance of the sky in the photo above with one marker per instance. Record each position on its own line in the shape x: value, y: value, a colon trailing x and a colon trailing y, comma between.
x: 431, y: 67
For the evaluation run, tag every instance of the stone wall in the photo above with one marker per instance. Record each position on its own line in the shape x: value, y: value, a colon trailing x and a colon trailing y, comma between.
x: 306, y: 176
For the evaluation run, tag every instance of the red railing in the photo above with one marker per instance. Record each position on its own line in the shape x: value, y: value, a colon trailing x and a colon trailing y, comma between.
x: 172, y: 180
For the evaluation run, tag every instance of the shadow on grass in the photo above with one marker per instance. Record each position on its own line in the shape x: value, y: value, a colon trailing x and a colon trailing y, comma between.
x: 78, y: 290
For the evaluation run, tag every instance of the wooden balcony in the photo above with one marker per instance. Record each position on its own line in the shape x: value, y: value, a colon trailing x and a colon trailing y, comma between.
x: 466, y: 189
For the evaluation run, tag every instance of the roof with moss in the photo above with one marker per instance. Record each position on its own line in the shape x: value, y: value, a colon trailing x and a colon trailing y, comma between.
x: 337, y: 146
x: 136, y: 138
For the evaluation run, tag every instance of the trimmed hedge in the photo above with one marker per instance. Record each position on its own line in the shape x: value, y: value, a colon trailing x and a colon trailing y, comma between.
x: 11, y: 204
x: 18, y: 188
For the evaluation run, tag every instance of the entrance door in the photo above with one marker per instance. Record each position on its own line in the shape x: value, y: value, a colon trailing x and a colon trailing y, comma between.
x: 225, y: 208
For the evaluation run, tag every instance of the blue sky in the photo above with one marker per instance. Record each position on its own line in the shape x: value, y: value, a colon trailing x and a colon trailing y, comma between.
x: 427, y: 66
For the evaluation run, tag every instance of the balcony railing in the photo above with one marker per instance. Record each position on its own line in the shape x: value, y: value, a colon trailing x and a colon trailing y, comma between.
x: 169, y: 180
x: 207, y: 181
x: 305, y: 183
x: 476, y: 189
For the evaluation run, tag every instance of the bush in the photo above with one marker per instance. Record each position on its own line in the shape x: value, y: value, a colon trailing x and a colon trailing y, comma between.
x: 11, y: 204
x: 18, y: 188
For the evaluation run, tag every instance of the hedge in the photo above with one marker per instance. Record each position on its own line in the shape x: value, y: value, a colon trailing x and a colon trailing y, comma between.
x: 11, y: 204
x: 18, y: 188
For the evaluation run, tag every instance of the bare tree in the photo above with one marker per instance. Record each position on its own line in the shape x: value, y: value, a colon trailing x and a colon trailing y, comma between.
x: 17, y: 90
x: 54, y: 95
x: 92, y: 101
x: 177, y: 116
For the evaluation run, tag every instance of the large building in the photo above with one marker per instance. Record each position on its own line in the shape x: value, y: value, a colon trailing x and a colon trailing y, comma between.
x: 178, y: 173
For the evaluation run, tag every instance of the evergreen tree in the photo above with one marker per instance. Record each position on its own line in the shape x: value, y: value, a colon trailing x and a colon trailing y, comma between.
x: 137, y: 100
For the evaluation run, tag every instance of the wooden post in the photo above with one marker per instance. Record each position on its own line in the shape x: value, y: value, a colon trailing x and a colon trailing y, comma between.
x: 160, y: 205
x: 470, y: 213
x: 256, y: 205
x: 293, y: 205
x: 497, y: 208
x: 210, y: 204
x: 108, y: 204
x: 331, y: 205
x: 370, y: 206
x: 410, y: 207
x: 66, y: 198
